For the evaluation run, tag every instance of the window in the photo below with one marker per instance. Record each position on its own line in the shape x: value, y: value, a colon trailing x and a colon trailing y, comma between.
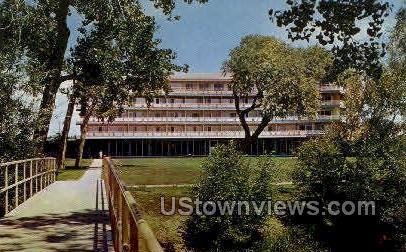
x: 157, y: 129
x: 233, y: 114
x: 157, y: 100
x: 208, y: 100
x: 100, y: 128
x: 194, y: 128
x: 325, y: 112
x: 204, y: 86
x: 189, y: 86
x: 172, y: 129
x: 218, y: 87
x: 209, y: 128
x: 195, y: 115
x: 326, y: 97
x: 231, y: 100
x: 172, y: 100
x: 157, y: 115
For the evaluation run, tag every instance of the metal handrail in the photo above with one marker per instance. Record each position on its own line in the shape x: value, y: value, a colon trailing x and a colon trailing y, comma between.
x: 130, y: 231
x: 27, y: 178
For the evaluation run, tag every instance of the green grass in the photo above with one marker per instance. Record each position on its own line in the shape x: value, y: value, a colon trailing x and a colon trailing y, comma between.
x: 70, y: 173
x: 166, y: 228
x: 144, y: 171
x: 153, y: 171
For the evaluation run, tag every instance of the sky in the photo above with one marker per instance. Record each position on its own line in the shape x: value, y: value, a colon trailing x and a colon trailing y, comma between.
x: 204, y: 35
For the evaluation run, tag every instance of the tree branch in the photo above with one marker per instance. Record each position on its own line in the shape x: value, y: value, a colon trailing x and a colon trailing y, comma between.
x: 241, y: 115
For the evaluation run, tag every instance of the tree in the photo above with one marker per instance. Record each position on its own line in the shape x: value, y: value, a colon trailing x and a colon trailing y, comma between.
x: 229, y: 176
x: 116, y: 60
x: 16, y: 114
x: 40, y: 31
x: 283, y: 80
x: 336, y: 25
x: 362, y: 159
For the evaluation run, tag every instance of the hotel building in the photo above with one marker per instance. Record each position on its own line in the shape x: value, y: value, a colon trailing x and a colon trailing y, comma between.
x: 198, y: 114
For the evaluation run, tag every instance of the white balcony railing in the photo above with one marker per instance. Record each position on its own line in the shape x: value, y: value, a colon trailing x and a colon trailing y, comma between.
x: 176, y: 91
x: 197, y: 106
x: 200, y: 134
x: 329, y: 88
x: 184, y: 91
x: 213, y: 119
x: 333, y: 103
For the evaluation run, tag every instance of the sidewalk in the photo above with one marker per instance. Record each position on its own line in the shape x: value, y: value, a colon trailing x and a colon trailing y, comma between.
x: 66, y: 216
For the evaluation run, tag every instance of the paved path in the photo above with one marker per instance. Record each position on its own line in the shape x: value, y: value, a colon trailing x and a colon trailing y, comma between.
x: 66, y: 216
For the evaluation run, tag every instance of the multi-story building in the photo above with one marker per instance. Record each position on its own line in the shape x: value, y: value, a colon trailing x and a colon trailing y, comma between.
x: 198, y: 114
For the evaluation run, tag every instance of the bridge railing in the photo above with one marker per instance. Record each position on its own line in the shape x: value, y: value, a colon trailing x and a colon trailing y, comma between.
x: 20, y: 180
x: 130, y: 231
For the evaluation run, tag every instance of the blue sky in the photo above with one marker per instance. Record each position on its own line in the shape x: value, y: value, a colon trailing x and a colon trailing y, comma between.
x: 205, y: 34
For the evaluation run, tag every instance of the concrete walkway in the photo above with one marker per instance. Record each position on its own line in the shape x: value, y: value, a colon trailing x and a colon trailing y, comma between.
x: 66, y: 216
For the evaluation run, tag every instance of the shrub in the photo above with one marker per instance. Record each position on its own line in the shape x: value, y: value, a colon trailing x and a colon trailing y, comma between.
x: 229, y: 176
x: 373, y: 171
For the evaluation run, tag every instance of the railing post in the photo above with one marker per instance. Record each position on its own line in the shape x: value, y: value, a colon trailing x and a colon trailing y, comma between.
x: 31, y: 178
x: 25, y: 183
x: 16, y: 187
x: 6, y: 185
x: 36, y: 178
x: 41, y: 170
x: 54, y: 170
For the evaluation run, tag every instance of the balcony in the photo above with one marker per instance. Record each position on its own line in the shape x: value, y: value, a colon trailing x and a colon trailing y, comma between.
x: 192, y: 134
x: 200, y: 92
x: 212, y: 120
x: 331, y: 88
x: 187, y: 106
x: 333, y: 103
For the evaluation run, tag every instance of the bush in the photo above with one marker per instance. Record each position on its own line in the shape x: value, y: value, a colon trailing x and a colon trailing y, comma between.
x: 373, y: 171
x: 229, y: 176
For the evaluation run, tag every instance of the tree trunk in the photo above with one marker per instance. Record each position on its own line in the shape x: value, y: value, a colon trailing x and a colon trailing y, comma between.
x: 65, y: 132
x: 83, y: 132
x: 53, y: 82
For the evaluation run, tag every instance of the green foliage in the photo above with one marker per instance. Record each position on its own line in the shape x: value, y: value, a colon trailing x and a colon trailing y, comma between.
x: 119, y: 58
x: 283, y: 80
x: 16, y: 122
x: 336, y: 24
x: 229, y: 176
x: 168, y: 7
x: 116, y: 49
x: 375, y: 171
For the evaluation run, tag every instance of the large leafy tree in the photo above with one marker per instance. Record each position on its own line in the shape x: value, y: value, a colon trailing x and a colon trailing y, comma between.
x: 41, y: 35
x: 337, y: 24
x: 362, y: 159
x: 16, y: 117
x: 282, y: 80
x: 115, y: 59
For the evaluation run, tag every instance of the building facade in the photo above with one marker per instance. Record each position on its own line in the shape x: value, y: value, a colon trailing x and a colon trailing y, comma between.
x: 198, y: 114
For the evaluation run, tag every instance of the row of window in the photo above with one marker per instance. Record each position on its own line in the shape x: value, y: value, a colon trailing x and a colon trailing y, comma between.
x: 316, y: 126
x: 216, y: 114
x: 207, y: 86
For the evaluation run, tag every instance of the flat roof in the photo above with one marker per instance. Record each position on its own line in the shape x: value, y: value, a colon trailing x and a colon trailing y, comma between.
x: 200, y: 76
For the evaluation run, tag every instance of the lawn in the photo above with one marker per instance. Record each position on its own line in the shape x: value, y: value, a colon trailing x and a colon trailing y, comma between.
x: 167, y: 228
x: 70, y: 173
x: 154, y: 171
